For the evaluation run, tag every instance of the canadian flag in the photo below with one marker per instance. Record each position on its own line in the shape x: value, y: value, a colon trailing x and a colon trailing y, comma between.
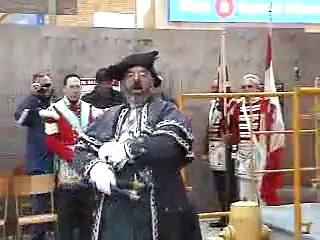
x: 275, y: 143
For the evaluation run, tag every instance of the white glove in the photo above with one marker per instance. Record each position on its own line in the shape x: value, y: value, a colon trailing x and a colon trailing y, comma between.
x: 44, y: 113
x: 103, y: 177
x: 105, y: 151
x: 114, y: 151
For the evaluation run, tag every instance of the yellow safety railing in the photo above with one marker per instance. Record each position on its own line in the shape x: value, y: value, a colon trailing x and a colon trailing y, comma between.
x: 296, y: 131
x: 298, y: 93
x: 297, y: 164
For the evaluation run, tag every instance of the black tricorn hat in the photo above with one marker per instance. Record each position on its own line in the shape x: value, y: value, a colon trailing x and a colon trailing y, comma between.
x: 139, y: 59
x: 145, y: 60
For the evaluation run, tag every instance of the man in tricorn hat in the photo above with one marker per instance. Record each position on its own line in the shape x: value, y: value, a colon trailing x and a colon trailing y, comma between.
x: 145, y: 141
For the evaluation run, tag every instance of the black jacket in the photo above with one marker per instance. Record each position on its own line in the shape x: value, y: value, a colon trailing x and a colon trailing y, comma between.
x: 36, y: 156
x: 104, y: 101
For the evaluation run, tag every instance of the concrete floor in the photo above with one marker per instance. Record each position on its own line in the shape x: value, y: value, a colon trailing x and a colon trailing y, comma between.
x: 207, y: 234
x: 286, y: 195
x: 308, y: 195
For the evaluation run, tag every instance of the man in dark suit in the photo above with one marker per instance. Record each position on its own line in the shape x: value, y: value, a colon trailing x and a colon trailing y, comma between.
x: 104, y: 96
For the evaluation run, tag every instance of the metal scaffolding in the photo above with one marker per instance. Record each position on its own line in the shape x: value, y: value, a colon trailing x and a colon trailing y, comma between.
x: 296, y: 96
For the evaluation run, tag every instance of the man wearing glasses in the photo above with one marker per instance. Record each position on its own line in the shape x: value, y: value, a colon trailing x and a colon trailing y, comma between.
x: 250, y: 112
x: 148, y: 141
x: 257, y: 114
x: 30, y: 113
x: 251, y: 83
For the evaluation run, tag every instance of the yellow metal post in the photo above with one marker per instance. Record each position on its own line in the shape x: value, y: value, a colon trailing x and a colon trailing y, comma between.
x: 245, y: 218
x: 208, y: 96
x: 316, y: 123
x: 205, y: 216
x: 181, y: 102
x: 297, y: 159
x: 245, y: 223
x: 309, y: 91
x: 298, y: 92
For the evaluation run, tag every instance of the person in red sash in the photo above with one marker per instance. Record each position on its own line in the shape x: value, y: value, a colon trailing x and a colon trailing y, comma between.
x: 254, y: 114
x: 65, y: 120
x: 222, y: 136
x: 249, y: 120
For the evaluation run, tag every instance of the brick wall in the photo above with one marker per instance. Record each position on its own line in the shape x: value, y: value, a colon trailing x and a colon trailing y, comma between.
x: 86, y: 8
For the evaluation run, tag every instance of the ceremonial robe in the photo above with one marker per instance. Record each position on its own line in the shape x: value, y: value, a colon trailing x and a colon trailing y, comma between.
x: 163, y: 212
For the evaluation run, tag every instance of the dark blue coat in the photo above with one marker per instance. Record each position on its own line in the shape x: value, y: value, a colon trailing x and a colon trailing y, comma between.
x: 37, y: 160
x: 163, y: 204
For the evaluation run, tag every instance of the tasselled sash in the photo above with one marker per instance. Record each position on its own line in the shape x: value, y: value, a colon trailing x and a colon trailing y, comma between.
x: 70, y: 116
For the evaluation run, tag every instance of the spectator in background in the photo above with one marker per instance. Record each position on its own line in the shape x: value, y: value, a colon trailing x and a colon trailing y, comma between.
x: 104, y: 95
x: 30, y: 113
x: 158, y: 91
x: 70, y: 116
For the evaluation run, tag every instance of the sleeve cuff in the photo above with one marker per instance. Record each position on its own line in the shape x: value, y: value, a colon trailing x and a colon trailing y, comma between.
x: 128, y: 151
x: 136, y: 148
x: 90, y: 165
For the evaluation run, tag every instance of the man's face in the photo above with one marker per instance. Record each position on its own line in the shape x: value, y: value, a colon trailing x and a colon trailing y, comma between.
x: 215, y: 87
x: 138, y: 81
x: 72, y: 90
x: 46, y: 88
x: 116, y: 85
x: 250, y: 87
x: 105, y: 86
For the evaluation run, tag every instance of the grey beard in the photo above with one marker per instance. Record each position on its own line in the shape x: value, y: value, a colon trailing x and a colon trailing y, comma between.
x: 136, y: 101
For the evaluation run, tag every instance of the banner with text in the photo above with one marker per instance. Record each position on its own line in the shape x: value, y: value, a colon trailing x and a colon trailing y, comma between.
x: 244, y: 11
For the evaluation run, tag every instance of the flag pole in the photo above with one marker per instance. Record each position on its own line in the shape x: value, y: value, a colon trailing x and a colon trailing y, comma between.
x: 223, y: 60
x: 265, y: 139
x: 224, y: 86
x: 222, y: 89
x: 256, y: 182
x: 270, y: 20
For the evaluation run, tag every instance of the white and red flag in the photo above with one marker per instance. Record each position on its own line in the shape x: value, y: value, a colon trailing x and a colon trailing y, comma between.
x: 275, y: 143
